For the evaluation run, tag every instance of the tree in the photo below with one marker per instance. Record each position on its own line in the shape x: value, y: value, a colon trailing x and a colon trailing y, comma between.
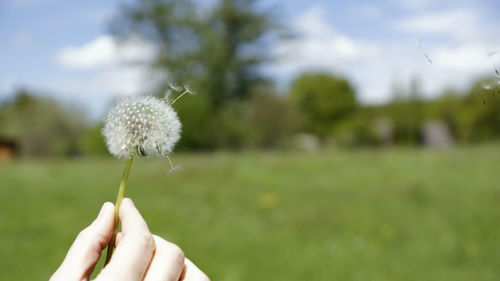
x: 324, y: 100
x: 407, y: 112
x: 218, y: 50
x: 479, y: 116
x: 41, y: 126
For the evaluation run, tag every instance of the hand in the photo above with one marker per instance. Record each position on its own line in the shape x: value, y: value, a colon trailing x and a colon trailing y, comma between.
x: 139, y: 255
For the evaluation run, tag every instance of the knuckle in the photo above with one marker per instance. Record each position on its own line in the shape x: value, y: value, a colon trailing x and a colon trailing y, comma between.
x: 176, y: 253
x: 146, y: 241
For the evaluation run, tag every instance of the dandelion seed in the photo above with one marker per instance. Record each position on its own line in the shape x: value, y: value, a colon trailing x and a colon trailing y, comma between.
x: 423, y: 52
x: 486, y: 86
x: 174, y: 87
x: 172, y: 167
x: 428, y: 58
x: 168, y: 95
x: 187, y: 90
x: 175, y: 169
x: 491, y: 84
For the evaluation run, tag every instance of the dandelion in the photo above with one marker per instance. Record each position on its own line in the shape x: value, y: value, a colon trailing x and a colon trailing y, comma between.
x: 142, y: 126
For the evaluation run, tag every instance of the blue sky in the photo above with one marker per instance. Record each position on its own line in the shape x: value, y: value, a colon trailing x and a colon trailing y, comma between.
x: 62, y: 48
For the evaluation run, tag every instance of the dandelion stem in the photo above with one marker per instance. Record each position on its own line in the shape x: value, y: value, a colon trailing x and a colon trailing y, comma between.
x: 170, y: 161
x: 119, y: 198
x: 179, y: 97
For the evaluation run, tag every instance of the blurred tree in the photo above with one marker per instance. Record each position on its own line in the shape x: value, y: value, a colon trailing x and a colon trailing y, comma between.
x: 274, y: 118
x: 264, y: 120
x: 324, y: 100
x: 448, y: 108
x: 358, y: 129
x: 407, y: 112
x: 41, y: 126
x: 218, y: 51
x: 217, y: 48
x: 199, y: 124
x: 92, y: 141
x: 479, y: 116
x: 471, y: 116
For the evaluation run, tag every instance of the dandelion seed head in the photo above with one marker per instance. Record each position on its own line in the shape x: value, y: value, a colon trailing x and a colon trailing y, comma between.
x: 145, y: 126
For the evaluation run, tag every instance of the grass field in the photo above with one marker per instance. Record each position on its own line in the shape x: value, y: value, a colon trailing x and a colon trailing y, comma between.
x: 332, y: 215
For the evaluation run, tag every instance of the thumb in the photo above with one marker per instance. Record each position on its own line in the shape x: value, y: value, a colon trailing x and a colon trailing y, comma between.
x: 87, y: 247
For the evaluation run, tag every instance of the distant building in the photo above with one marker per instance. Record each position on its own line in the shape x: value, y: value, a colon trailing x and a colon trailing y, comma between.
x: 384, y: 131
x: 307, y: 142
x: 436, y: 134
x: 8, y: 149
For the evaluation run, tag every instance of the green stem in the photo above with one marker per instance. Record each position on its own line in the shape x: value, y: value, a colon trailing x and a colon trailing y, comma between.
x: 180, y: 96
x: 119, y: 198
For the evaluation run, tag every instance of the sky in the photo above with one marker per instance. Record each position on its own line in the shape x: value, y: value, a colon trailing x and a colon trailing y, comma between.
x: 63, y: 48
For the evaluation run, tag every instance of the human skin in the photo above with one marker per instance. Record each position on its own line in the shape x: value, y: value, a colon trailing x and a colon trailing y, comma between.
x: 139, y: 255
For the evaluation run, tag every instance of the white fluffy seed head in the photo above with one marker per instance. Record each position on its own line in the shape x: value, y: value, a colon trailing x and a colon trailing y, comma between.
x: 144, y: 126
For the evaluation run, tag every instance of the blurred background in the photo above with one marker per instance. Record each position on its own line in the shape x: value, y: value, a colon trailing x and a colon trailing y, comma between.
x: 328, y: 140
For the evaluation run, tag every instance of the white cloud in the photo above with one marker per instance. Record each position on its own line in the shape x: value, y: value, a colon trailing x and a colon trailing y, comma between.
x: 375, y: 66
x: 103, y: 68
x: 115, y: 68
x: 319, y: 45
x: 464, y: 58
x: 99, y: 52
x: 460, y: 24
x: 127, y: 80
x: 105, y: 51
x: 439, y: 22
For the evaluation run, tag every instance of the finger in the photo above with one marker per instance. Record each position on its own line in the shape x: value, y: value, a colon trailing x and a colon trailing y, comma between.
x: 131, y: 219
x: 135, y: 248
x: 167, y: 263
x: 192, y: 273
x: 118, y: 238
x: 87, y: 247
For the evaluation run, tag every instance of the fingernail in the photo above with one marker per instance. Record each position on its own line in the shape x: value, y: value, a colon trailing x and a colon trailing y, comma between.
x: 103, y: 209
x: 129, y: 201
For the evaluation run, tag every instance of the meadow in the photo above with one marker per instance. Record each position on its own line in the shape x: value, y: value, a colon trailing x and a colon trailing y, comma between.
x: 395, y: 214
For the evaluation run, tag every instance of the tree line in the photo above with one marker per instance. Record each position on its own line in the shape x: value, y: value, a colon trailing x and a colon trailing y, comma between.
x: 319, y: 104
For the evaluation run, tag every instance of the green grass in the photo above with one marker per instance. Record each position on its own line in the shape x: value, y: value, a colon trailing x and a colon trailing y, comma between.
x: 333, y: 215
